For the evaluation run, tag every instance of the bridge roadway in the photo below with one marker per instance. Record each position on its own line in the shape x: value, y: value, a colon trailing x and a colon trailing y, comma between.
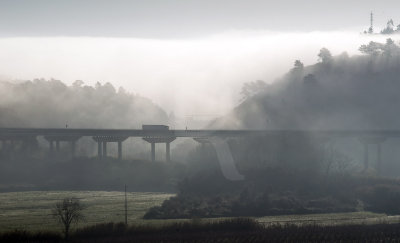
x: 27, y: 136
x: 191, y: 133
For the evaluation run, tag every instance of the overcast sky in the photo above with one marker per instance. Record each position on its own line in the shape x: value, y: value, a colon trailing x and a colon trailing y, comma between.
x: 182, y: 18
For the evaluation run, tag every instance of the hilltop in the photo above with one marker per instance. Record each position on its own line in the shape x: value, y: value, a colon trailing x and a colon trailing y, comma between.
x: 338, y: 92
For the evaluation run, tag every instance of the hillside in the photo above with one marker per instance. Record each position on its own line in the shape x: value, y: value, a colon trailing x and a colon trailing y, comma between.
x: 340, y: 92
x: 51, y: 103
x: 298, y: 175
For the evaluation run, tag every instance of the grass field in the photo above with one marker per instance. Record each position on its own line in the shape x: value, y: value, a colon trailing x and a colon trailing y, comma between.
x: 32, y: 210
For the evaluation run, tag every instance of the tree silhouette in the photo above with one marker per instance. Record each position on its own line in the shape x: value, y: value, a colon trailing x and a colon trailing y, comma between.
x: 325, y: 55
x: 389, y: 28
x: 298, y: 65
x: 68, y: 211
x: 251, y: 88
x: 376, y: 49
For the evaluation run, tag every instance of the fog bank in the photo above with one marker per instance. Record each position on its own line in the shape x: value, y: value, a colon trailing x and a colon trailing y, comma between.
x: 195, y: 78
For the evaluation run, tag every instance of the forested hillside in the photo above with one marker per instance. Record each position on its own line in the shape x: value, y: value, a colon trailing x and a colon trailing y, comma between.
x: 51, y: 103
x: 338, y: 92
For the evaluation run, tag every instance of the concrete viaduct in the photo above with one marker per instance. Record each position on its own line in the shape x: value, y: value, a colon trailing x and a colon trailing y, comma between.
x: 161, y: 134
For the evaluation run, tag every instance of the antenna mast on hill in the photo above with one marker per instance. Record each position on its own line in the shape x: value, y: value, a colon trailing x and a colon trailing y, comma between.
x: 371, y: 28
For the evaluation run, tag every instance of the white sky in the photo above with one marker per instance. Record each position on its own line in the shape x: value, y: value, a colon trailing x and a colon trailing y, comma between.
x: 183, y: 18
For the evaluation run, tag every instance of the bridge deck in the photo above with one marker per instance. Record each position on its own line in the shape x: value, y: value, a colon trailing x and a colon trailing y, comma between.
x: 190, y: 133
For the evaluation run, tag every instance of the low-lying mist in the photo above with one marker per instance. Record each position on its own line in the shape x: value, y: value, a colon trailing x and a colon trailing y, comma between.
x: 197, y: 78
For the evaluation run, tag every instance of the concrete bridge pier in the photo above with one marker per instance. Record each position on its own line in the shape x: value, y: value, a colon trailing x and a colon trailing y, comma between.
x: 168, y: 151
x: 23, y: 144
x: 57, y: 140
x: 379, y: 159
x: 51, y: 146
x: 104, y: 155
x: 8, y: 148
x: 99, y: 149
x: 153, y: 152
x: 57, y: 145
x: 377, y: 141
x: 203, y: 142
x: 73, y: 148
x: 154, y: 140
x: 102, y: 145
x: 119, y: 150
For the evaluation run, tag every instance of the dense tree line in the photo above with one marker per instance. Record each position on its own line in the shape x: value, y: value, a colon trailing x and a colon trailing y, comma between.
x: 52, y: 103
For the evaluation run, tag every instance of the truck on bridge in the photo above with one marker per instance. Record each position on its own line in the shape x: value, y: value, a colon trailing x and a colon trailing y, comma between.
x: 155, y: 127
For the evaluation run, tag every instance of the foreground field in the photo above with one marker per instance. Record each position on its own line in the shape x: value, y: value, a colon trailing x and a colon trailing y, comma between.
x: 32, y: 211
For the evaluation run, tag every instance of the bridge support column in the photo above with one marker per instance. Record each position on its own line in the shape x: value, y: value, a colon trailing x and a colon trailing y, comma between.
x: 379, y: 160
x: 73, y: 148
x: 51, y: 145
x: 153, y: 152
x: 17, y: 145
x: 203, y: 141
x: 71, y: 139
x: 154, y: 140
x: 119, y: 150
x: 377, y: 141
x: 167, y: 152
x: 99, y: 151
x: 57, y: 145
x: 104, y: 149
x: 102, y: 144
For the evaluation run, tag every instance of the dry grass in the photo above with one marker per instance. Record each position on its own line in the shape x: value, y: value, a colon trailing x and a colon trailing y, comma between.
x: 32, y: 210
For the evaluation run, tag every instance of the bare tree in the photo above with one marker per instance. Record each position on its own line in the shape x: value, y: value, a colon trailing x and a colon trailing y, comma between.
x: 68, y: 211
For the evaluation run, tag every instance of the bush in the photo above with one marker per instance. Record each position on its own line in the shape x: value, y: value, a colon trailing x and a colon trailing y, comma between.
x: 382, y: 198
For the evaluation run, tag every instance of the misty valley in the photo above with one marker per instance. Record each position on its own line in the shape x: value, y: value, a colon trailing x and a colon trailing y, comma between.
x: 315, y: 151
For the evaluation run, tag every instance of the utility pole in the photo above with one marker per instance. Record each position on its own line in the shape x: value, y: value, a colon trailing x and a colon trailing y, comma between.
x: 126, y: 208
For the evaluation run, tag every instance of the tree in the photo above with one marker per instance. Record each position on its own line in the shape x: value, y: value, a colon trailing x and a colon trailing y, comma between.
x: 389, y: 28
x: 298, y: 65
x: 370, y: 30
x: 68, y: 211
x: 373, y: 48
x: 325, y: 55
x: 310, y: 80
x: 252, y: 88
x: 78, y: 84
x: 376, y: 49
